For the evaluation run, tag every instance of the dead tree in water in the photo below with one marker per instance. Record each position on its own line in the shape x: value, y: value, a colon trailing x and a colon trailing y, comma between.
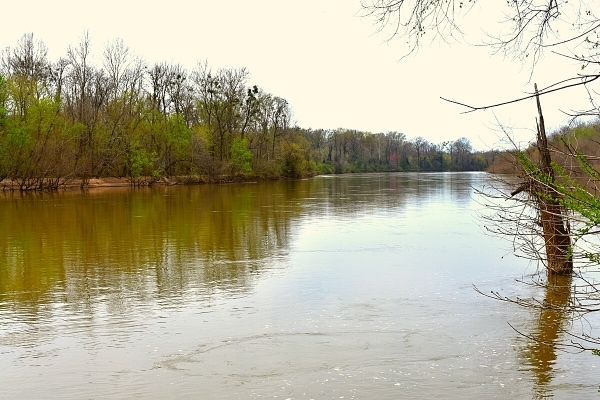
x: 548, y: 214
x: 540, y: 183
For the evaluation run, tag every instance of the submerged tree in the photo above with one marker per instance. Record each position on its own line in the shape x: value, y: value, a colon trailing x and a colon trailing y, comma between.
x: 541, y: 185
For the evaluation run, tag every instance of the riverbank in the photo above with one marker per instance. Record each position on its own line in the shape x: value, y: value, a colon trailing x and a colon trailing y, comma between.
x: 115, y: 182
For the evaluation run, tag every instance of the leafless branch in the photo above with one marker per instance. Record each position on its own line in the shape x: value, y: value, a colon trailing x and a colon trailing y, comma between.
x: 585, y: 79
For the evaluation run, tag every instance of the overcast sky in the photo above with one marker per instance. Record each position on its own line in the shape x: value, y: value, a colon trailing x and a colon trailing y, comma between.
x: 320, y: 55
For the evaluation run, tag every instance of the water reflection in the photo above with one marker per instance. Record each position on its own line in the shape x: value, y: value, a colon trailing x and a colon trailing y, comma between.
x: 213, y: 237
x: 82, y: 245
x: 356, y: 286
x: 541, y: 353
x: 118, y: 251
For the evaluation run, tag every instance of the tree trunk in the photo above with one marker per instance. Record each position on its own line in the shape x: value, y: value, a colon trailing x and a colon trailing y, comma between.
x: 555, y: 228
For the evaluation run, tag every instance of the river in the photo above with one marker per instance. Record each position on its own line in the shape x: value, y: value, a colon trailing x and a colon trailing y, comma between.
x: 353, y: 286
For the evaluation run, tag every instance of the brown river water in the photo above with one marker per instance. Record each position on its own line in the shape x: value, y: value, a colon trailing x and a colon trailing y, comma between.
x: 340, y: 287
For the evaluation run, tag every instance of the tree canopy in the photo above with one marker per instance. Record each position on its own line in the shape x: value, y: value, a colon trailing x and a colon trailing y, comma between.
x: 72, y: 118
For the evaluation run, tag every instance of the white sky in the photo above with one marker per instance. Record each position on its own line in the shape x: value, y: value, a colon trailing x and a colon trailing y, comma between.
x: 328, y: 62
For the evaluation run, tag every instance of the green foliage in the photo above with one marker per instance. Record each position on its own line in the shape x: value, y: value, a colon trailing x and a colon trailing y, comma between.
x: 320, y: 168
x: 241, y: 157
x: 142, y: 163
x: 294, y: 156
x: 17, y: 147
x: 479, y: 162
x: 576, y: 198
x: 529, y: 166
x: 570, y: 194
x: 583, y: 131
x: 3, y: 100
x: 18, y: 137
x: 168, y: 139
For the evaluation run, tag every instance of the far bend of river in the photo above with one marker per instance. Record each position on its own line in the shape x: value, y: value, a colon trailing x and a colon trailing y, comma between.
x: 353, y: 286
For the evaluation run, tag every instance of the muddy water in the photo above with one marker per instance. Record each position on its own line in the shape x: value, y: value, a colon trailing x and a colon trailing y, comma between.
x: 354, y: 287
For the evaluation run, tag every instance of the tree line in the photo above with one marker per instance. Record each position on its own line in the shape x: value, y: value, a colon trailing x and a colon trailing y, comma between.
x: 73, y: 119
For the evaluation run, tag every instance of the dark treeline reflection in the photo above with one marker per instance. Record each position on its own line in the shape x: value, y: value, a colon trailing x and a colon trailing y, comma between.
x: 173, y: 242
x: 149, y: 242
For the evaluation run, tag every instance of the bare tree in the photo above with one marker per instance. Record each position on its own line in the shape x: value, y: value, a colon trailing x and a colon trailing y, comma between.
x: 27, y: 59
x: 524, y: 27
x: 221, y: 98
x: 461, y: 148
x: 29, y: 68
x: 419, y: 144
x: 116, y: 62
x: 159, y: 86
x: 280, y: 120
